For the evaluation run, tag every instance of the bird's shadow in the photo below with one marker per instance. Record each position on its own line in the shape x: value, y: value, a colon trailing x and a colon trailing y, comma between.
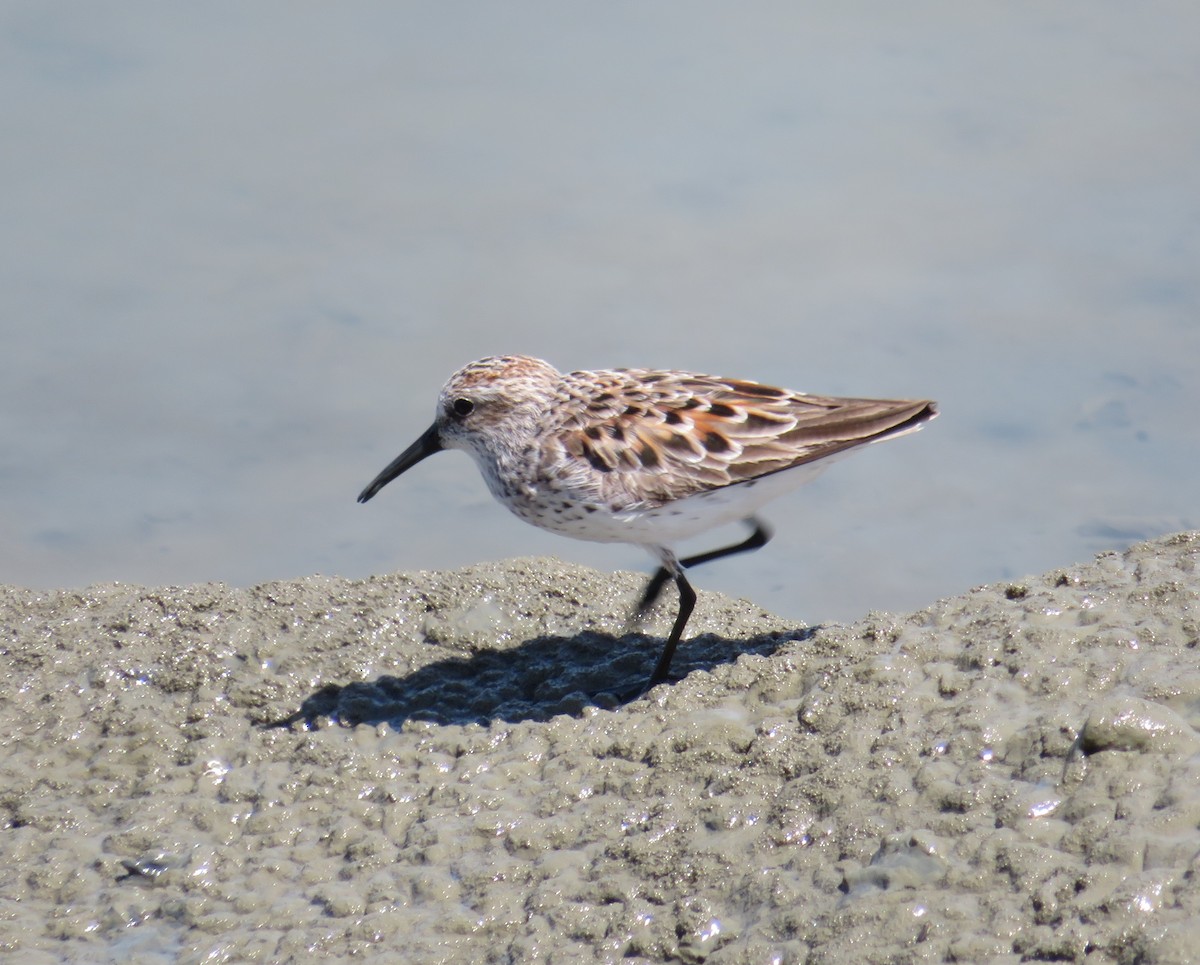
x: 536, y: 680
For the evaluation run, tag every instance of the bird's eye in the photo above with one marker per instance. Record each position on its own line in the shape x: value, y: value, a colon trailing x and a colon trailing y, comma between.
x: 463, y: 407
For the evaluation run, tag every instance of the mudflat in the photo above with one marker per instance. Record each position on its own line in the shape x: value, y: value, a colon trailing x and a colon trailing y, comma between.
x: 436, y: 767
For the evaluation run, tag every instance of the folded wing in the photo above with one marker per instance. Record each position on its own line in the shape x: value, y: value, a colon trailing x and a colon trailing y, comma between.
x: 671, y: 435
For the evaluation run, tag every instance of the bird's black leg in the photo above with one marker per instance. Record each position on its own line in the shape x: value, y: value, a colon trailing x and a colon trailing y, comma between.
x: 757, y: 539
x: 653, y: 589
x: 673, y: 568
x: 687, y: 600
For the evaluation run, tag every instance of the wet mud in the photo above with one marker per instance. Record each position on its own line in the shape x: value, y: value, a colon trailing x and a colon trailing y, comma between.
x: 449, y: 767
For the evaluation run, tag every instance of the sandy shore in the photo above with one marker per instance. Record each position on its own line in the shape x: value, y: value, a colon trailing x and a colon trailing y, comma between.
x: 1009, y: 775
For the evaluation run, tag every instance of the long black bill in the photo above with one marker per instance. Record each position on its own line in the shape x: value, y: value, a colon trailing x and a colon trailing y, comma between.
x: 427, y: 445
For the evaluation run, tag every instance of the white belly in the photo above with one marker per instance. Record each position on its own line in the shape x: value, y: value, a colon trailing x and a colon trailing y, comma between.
x: 674, y: 522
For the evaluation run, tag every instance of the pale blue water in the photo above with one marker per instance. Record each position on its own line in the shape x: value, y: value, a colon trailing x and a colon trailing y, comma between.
x: 242, y: 246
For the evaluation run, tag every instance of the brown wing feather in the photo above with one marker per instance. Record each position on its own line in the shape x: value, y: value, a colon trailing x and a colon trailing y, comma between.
x: 653, y: 437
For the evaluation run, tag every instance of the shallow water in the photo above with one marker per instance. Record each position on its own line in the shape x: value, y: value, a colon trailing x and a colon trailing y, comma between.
x: 241, y: 253
x: 1007, y: 775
